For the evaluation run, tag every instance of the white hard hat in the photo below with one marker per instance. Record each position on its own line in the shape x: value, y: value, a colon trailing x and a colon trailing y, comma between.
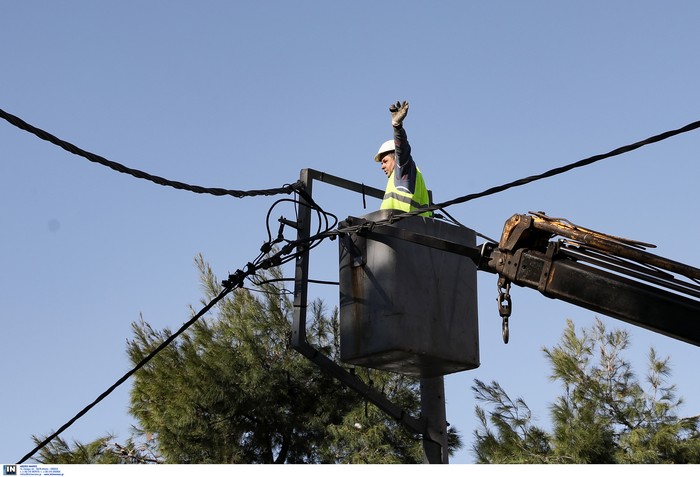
x: 386, y: 147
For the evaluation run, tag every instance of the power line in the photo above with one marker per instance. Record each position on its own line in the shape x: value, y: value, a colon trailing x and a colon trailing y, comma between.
x: 555, y: 171
x: 121, y: 380
x: 297, y: 186
x: 567, y: 168
x: 234, y: 281
x: 41, y: 134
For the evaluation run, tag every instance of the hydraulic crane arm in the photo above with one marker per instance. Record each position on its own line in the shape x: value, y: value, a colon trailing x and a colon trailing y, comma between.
x: 610, y: 275
x: 537, y: 229
x: 602, y: 273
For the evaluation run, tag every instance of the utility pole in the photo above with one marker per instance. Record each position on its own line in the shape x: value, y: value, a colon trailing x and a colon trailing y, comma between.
x: 432, y: 399
x: 428, y: 349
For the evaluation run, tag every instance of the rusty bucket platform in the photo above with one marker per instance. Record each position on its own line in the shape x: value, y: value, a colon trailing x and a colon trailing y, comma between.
x: 405, y: 307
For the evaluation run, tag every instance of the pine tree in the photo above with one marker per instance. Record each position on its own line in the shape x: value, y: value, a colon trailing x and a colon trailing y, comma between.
x: 603, y: 416
x: 103, y: 450
x: 231, y: 390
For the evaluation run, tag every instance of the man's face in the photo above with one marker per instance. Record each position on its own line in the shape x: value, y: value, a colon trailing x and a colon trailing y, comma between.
x: 387, y: 163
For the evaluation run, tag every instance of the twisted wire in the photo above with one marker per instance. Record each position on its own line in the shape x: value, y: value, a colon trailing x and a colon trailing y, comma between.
x: 41, y: 134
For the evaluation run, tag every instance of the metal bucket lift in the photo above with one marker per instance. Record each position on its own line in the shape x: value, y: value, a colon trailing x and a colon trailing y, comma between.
x: 405, y: 307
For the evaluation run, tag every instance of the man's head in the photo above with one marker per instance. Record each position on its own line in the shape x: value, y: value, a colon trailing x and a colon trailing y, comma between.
x: 388, y: 162
x: 386, y: 157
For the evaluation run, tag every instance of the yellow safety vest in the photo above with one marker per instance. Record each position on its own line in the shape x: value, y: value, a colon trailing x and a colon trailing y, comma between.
x: 401, y: 199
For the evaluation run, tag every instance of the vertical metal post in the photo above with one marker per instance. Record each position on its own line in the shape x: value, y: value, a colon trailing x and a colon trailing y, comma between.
x: 298, y: 339
x: 434, y: 438
x: 432, y: 398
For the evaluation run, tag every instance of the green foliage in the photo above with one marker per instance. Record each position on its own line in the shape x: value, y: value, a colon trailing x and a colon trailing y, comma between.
x: 515, y: 440
x: 365, y: 436
x: 231, y: 390
x: 603, y: 416
x: 103, y: 450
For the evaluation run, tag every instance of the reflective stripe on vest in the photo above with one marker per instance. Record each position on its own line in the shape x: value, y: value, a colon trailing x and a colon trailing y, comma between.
x: 404, y: 201
x: 396, y: 200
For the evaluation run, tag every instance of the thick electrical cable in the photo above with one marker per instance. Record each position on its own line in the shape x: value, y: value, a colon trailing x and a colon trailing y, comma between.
x: 234, y: 281
x: 41, y: 134
x: 237, y: 280
x: 456, y: 222
x: 126, y: 376
x: 551, y: 172
x: 567, y: 168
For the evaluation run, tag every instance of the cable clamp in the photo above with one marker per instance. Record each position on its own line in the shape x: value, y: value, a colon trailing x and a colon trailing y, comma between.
x: 365, y: 228
x: 287, y: 249
x: 234, y: 280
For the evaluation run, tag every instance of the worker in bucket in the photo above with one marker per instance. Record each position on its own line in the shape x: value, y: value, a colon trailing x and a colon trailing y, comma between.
x: 405, y: 188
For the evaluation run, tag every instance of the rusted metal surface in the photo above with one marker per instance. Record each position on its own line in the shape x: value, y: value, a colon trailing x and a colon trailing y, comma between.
x: 611, y: 294
x: 600, y: 272
x: 534, y: 231
x: 409, y: 308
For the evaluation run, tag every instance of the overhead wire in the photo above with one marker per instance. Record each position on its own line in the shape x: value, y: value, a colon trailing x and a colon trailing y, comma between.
x: 456, y: 222
x: 568, y: 167
x: 41, y: 134
x: 236, y: 280
x: 326, y: 222
x: 284, y: 291
x: 127, y: 375
x: 298, y: 186
x: 550, y: 173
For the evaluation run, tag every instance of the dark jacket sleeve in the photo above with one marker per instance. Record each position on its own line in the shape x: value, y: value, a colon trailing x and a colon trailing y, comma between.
x: 405, y: 168
x: 403, y: 148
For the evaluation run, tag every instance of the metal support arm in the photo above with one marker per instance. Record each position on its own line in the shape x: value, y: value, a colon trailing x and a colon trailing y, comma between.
x: 298, y: 340
x: 613, y: 295
x: 554, y: 273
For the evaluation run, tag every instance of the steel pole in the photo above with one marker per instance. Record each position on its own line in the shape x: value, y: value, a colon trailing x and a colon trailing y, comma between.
x: 432, y: 397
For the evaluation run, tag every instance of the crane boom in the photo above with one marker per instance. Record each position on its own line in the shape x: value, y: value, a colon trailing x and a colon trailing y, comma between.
x: 610, y: 275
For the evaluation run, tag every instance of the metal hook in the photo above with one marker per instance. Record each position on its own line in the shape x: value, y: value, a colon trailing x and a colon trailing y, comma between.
x: 505, y: 306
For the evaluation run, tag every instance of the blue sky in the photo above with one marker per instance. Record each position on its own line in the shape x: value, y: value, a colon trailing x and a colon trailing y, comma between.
x: 245, y: 94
